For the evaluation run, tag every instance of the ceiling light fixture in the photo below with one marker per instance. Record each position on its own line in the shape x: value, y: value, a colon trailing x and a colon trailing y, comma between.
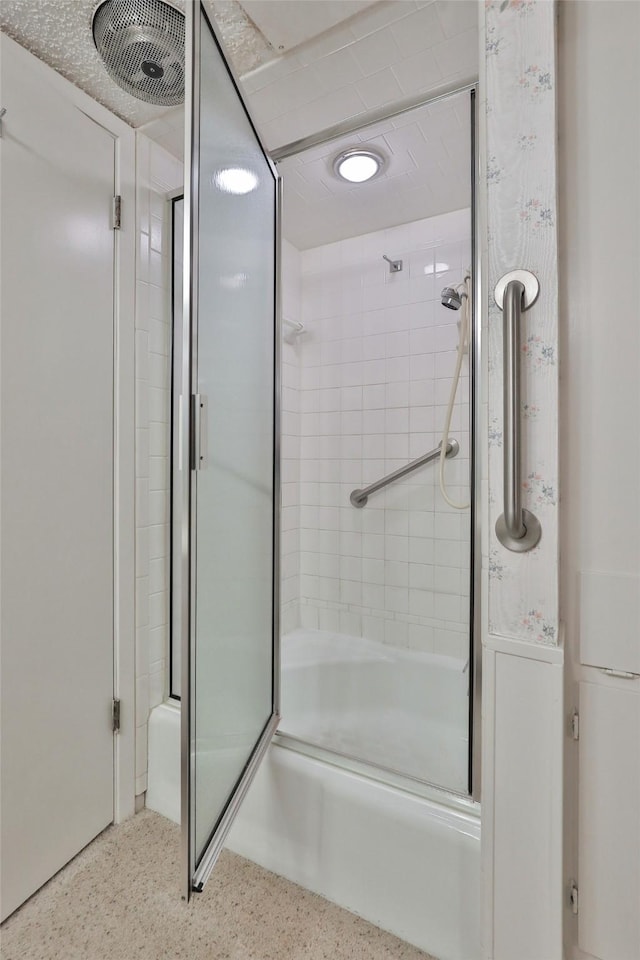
x: 357, y: 165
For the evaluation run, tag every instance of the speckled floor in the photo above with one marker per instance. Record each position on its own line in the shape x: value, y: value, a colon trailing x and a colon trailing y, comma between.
x: 119, y: 900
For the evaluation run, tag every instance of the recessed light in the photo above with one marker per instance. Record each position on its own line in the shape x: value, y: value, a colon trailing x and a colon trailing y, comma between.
x: 235, y: 180
x: 357, y: 165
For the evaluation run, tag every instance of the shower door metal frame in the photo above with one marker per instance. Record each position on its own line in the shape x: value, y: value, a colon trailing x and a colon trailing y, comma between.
x: 476, y: 359
x: 344, y: 128
x: 195, y: 874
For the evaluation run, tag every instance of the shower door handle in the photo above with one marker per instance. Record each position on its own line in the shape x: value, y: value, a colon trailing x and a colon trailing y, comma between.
x: 517, y: 529
x: 198, y: 431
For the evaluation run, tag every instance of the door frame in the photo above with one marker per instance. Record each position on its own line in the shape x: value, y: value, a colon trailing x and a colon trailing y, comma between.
x: 124, y: 280
x: 194, y: 877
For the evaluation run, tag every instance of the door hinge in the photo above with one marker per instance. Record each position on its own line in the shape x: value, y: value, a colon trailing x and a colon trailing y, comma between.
x: 116, y: 212
x: 115, y: 715
x: 573, y: 897
x: 575, y: 725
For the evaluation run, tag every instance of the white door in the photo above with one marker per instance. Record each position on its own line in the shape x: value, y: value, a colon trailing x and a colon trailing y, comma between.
x: 57, y: 478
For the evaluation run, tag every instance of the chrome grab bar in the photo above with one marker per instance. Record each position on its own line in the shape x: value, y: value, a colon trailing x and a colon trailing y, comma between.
x: 359, y: 497
x: 517, y: 529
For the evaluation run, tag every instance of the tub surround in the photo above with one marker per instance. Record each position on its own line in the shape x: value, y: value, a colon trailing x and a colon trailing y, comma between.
x: 374, y: 373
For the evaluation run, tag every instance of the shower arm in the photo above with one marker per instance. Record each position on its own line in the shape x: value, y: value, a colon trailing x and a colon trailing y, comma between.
x: 359, y: 497
x: 517, y: 529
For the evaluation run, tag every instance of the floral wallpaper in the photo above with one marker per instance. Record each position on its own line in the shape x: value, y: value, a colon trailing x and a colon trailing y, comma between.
x: 521, y: 219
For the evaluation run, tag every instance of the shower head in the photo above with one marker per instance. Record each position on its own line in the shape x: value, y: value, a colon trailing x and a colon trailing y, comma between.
x: 450, y: 298
x: 142, y: 45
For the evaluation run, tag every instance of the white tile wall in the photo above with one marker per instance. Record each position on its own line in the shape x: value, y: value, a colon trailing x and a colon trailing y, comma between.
x: 158, y: 173
x: 375, y: 369
x: 290, y: 427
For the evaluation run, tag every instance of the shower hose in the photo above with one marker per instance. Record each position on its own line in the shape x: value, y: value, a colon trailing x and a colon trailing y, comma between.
x: 463, y: 341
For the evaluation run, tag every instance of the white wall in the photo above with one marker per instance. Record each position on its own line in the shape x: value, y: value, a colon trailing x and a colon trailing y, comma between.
x: 376, y: 365
x: 158, y: 173
x: 599, y: 136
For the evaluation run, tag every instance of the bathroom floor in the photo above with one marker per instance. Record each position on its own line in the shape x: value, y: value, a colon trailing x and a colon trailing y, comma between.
x: 119, y: 900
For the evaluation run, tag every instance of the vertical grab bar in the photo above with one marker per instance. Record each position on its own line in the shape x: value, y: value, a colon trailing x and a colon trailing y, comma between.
x: 517, y: 529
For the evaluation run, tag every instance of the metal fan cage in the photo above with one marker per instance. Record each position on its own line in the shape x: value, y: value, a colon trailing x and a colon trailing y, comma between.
x: 142, y: 45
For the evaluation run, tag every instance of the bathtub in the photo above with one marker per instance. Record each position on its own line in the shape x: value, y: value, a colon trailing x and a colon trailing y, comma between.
x: 402, y: 710
x: 401, y: 854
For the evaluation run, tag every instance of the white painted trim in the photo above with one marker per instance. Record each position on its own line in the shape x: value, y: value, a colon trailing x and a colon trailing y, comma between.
x: 524, y: 710
x: 125, y: 478
x: 124, y: 429
x: 521, y: 648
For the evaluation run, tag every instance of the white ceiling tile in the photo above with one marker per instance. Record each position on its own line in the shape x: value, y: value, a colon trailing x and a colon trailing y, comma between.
x: 292, y: 92
x: 418, y: 73
x: 420, y: 31
x: 286, y: 24
x: 400, y: 164
x: 311, y: 191
x: 455, y: 142
x: 375, y: 52
x: 283, y: 129
x: 326, y: 44
x: 320, y: 170
x: 380, y: 16
x: 266, y: 104
x: 276, y: 69
x: 457, y: 17
x: 443, y: 122
x: 375, y: 130
x: 458, y: 55
x: 337, y: 70
x: 402, y: 140
x: 317, y: 153
x: 378, y: 89
x: 330, y: 59
x: 330, y: 109
x: 404, y: 192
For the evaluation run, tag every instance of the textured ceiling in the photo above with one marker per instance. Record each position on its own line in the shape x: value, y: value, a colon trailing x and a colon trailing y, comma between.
x: 59, y: 32
x: 428, y: 153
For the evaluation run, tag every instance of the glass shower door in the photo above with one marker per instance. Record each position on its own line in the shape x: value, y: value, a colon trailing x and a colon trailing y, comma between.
x: 229, y: 573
